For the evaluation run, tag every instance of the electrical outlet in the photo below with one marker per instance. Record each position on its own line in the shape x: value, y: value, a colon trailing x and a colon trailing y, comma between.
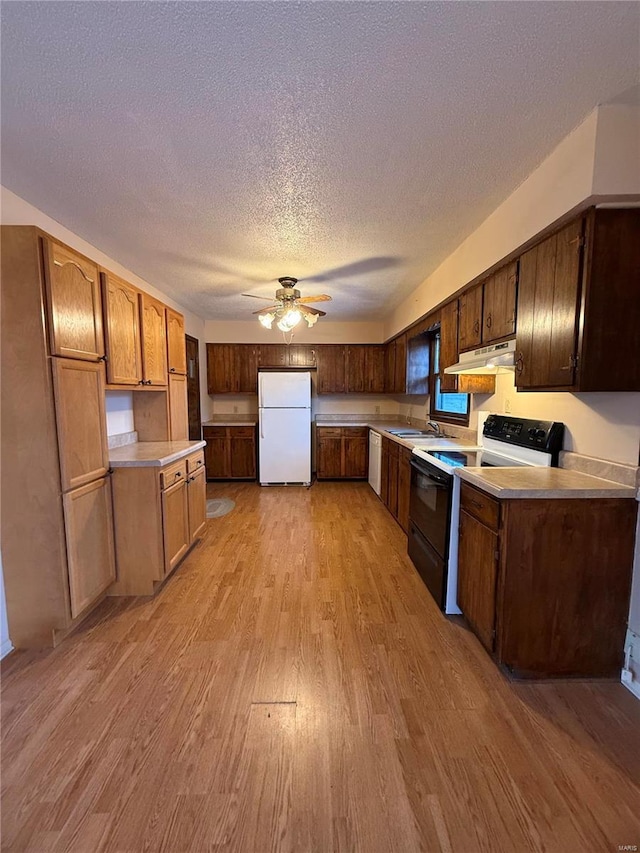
x: 507, y: 405
x: 377, y: 410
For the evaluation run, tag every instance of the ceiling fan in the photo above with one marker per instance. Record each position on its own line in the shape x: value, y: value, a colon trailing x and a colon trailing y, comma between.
x: 290, y: 307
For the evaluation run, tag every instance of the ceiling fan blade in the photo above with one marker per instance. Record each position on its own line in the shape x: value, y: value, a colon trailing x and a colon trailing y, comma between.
x: 306, y: 310
x: 253, y: 296
x: 267, y: 310
x: 322, y: 297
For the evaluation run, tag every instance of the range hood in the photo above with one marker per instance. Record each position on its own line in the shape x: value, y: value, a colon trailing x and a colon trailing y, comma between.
x: 495, y: 358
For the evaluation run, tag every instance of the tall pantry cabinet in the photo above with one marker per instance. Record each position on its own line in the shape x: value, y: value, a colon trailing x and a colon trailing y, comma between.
x: 57, y: 525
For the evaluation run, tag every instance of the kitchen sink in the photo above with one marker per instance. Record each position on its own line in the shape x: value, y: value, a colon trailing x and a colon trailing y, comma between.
x: 417, y: 433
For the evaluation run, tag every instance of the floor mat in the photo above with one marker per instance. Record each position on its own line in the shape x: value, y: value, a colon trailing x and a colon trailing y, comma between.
x: 217, y: 507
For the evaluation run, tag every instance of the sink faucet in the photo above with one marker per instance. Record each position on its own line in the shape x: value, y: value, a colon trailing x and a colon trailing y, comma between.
x: 435, y: 427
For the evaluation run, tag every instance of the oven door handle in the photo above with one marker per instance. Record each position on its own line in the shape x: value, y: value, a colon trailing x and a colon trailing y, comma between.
x: 443, y: 480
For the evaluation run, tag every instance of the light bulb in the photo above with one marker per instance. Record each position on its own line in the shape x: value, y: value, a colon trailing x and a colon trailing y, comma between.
x: 289, y: 319
x: 267, y: 320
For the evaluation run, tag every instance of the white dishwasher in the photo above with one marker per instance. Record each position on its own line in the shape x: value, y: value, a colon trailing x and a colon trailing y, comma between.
x: 375, y: 460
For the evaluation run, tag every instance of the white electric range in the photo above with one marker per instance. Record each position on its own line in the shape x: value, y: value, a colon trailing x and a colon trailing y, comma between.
x: 434, y: 509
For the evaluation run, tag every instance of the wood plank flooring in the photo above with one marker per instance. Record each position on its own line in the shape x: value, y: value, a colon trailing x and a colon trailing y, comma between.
x: 293, y: 687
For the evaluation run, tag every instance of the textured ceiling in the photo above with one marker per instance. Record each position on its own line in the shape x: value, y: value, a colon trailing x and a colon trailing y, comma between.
x: 212, y: 147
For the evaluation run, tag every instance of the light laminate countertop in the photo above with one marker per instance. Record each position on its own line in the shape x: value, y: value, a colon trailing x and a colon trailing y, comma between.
x: 542, y: 483
x: 151, y: 454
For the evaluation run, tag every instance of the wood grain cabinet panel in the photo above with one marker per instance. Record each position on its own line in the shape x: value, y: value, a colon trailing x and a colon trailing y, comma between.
x: 470, y: 318
x: 274, y: 355
x: 356, y: 369
x: 154, y: 340
x: 230, y: 452
x: 332, y: 369
x: 81, y: 421
x: 356, y: 455
x: 404, y: 487
x: 176, y: 343
x: 175, y: 524
x: 477, y: 573
x: 178, y: 408
x: 89, y: 536
x: 448, y: 345
x: 74, y: 304
x: 302, y: 356
x: 122, y: 331
x: 232, y: 368
x: 242, y: 454
x: 328, y: 456
x: 374, y: 368
x: 197, y: 498
x: 499, y: 308
x: 246, y: 368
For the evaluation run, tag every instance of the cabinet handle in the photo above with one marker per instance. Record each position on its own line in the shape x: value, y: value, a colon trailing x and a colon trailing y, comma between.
x: 172, y: 370
x: 475, y: 503
x: 177, y: 474
x: 102, y: 358
x: 519, y: 363
x: 489, y: 321
x: 476, y: 326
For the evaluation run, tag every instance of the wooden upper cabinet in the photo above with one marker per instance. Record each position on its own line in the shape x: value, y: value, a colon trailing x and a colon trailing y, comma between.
x: 246, y: 368
x: 499, y: 312
x: 274, y: 355
x: 374, y: 368
x: 81, y: 421
x: 302, y: 355
x: 448, y: 345
x: 332, y: 375
x: 400, y: 365
x: 178, y: 409
x: 176, y: 344
x: 470, y: 319
x: 548, y: 295
x: 390, y: 366
x: 73, y: 303
x: 220, y: 368
x: 122, y: 331
x: 356, y: 369
x: 154, y: 340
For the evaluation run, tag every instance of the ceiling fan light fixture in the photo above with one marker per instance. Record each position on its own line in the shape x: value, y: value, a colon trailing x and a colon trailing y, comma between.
x: 267, y: 320
x: 311, y: 319
x: 290, y: 318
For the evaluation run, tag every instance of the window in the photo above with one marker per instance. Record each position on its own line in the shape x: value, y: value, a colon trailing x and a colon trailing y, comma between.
x: 448, y: 406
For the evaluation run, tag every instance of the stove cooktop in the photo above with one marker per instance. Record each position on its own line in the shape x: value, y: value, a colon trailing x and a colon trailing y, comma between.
x: 474, y: 459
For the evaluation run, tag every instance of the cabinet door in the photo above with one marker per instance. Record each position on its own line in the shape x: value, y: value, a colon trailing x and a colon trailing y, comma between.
x: 176, y: 343
x: 448, y: 344
x: 384, y: 471
x: 355, y: 454
x: 470, y: 319
x: 392, y: 496
x: 302, y: 356
x: 374, y: 370
x: 356, y: 380
x: 178, y: 410
x: 274, y: 355
x: 328, y: 455
x: 548, y: 293
x: 331, y: 369
x: 175, y: 524
x: 400, y: 365
x: 246, y: 368
x: 477, y: 572
x: 154, y: 340
x: 197, y: 495
x: 81, y: 421
x: 389, y: 366
x: 404, y: 487
x: 499, y: 314
x: 122, y: 325
x: 242, y: 453
x: 88, y: 522
x: 221, y: 360
x: 418, y: 364
x: 74, y: 306
x: 216, y: 453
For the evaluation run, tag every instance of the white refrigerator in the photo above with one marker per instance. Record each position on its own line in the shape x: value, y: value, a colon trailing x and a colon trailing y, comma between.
x: 284, y: 415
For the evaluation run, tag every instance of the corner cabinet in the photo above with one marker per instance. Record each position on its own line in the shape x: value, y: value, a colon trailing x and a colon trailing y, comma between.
x: 579, y: 306
x: 552, y: 605
x: 159, y: 514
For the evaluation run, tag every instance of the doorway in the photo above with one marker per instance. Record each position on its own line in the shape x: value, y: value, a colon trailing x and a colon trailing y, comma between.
x: 193, y: 387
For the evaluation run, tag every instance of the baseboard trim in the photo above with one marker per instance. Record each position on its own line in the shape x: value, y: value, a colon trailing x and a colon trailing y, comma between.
x: 5, y: 648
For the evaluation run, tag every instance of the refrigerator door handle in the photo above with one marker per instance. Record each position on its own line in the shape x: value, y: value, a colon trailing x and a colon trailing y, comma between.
x: 261, y: 425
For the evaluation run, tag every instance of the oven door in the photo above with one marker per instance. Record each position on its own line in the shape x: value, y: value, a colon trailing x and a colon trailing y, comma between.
x: 431, y: 567
x: 430, y: 504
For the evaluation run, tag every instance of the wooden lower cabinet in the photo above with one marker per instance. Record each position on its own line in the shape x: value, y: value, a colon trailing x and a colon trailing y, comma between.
x: 158, y: 514
x: 342, y: 453
x: 396, y: 480
x: 545, y: 583
x: 404, y: 487
x: 230, y: 453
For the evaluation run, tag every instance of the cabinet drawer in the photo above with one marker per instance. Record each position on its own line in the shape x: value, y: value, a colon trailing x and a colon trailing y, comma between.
x: 214, y: 432
x: 194, y: 462
x: 355, y: 432
x: 480, y: 505
x: 329, y: 432
x: 242, y: 432
x: 173, y: 473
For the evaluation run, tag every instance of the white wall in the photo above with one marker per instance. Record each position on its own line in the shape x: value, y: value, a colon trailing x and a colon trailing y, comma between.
x: 119, y: 409
x: 5, y: 642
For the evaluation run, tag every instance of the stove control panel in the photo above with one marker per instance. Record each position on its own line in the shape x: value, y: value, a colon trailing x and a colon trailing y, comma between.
x: 524, y: 432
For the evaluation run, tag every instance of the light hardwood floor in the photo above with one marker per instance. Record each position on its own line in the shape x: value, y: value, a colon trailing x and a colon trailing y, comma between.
x: 294, y: 688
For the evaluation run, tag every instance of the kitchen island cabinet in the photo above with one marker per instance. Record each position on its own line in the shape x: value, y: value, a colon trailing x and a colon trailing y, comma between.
x: 159, y: 511
x: 545, y: 582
